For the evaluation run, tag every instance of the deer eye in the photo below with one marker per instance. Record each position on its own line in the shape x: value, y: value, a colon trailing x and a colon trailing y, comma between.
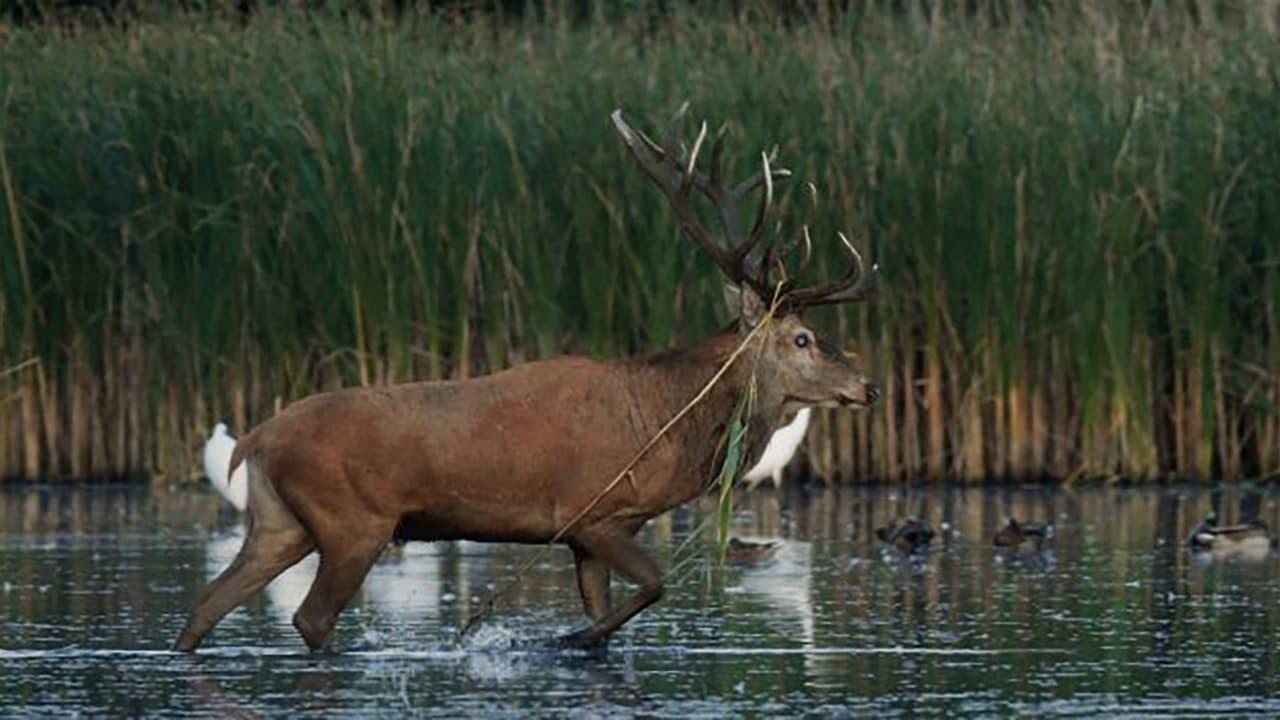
x: 802, y: 340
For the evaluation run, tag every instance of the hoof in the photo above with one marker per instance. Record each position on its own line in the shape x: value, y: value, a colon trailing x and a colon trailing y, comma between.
x: 187, y: 642
x: 581, y: 640
x: 314, y: 637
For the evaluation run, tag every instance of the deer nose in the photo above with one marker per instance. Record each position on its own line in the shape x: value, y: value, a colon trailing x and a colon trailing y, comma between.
x: 872, y: 393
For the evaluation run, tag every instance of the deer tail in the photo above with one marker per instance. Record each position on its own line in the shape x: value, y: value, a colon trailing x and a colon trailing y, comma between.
x: 244, y: 446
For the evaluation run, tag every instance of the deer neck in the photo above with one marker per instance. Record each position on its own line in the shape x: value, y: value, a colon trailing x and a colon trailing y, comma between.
x: 673, y: 379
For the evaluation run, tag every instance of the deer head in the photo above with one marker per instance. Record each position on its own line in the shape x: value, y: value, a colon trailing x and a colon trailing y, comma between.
x: 793, y: 366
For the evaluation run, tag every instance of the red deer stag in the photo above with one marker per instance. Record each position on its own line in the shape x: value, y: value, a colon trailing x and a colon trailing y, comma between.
x: 516, y: 456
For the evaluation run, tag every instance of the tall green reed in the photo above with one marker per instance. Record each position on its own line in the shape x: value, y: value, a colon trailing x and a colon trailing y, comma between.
x: 1075, y: 215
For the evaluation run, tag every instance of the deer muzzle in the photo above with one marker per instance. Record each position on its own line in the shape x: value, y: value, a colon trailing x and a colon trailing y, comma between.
x: 864, y: 395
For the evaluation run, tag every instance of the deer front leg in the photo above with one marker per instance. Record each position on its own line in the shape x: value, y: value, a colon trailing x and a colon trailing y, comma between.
x: 617, y: 551
x: 593, y: 584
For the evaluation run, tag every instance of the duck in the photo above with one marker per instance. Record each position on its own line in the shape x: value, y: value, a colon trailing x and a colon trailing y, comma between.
x: 1246, y: 538
x: 779, y: 450
x: 907, y: 536
x: 217, y: 460
x: 751, y: 552
x: 1023, y: 536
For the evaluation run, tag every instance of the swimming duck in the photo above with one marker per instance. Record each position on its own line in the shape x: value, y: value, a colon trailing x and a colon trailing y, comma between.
x: 907, y: 536
x: 750, y: 552
x: 1253, y: 536
x: 1023, y: 536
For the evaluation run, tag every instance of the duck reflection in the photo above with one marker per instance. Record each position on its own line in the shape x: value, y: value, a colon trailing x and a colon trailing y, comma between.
x: 784, y: 583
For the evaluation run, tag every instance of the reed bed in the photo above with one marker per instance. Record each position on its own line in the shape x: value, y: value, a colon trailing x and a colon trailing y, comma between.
x: 1077, y: 215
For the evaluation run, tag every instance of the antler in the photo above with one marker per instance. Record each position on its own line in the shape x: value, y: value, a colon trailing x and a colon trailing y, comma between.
x: 676, y: 173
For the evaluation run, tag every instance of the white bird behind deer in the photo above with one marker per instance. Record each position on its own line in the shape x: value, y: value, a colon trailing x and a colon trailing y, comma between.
x: 217, y: 460
x: 781, y: 448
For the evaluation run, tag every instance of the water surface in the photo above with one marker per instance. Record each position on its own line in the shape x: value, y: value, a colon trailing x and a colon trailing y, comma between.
x: 1116, y: 619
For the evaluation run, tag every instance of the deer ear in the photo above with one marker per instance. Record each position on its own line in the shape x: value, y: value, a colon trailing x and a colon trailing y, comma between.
x: 745, y: 305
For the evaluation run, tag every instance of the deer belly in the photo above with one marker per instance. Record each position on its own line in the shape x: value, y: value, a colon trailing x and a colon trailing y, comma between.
x: 460, y: 519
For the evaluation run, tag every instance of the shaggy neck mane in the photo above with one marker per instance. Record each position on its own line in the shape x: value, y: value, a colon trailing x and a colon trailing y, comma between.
x: 670, y: 379
x: 710, y: 352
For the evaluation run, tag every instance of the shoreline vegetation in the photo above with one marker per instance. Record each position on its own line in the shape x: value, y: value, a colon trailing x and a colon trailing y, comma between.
x: 1075, y: 206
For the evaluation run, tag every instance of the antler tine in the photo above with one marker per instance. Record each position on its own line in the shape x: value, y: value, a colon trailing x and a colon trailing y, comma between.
x: 855, y: 286
x: 748, y: 186
x: 672, y: 133
x: 804, y: 237
x: 654, y: 147
x: 691, y: 167
x: 808, y: 250
x: 801, y: 240
x: 765, y: 202
x: 856, y: 270
x: 866, y: 288
x: 637, y: 144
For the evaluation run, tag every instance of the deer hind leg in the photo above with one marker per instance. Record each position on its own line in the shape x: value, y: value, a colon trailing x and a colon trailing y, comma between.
x: 593, y: 584
x: 275, y: 541
x: 618, y: 551
x: 343, y: 567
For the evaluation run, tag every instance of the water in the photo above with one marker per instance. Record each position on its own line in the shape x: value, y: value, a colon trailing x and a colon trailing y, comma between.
x: 1117, y: 619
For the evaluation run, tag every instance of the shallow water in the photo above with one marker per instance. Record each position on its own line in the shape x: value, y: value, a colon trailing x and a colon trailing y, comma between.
x: 1116, y: 619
